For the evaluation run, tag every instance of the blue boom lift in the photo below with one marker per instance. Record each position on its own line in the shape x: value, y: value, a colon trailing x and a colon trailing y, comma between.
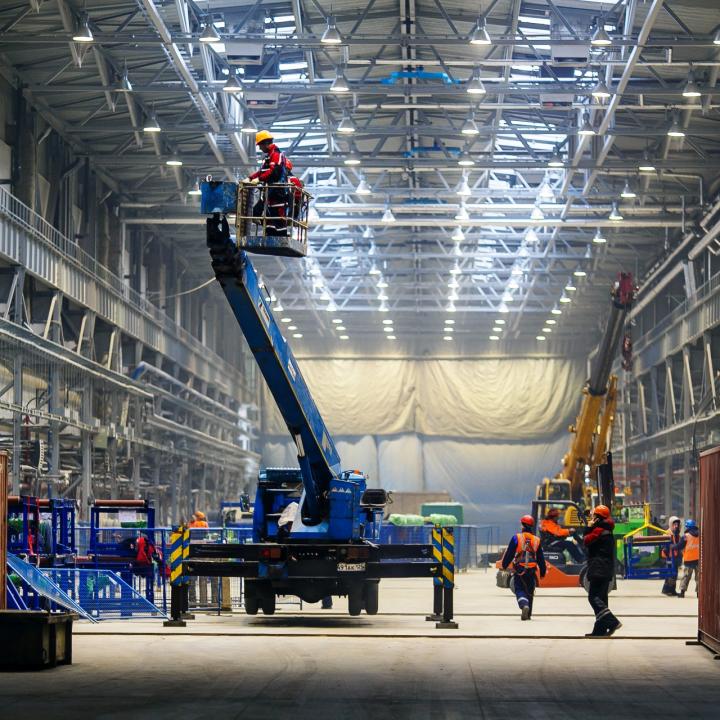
x: 330, y: 546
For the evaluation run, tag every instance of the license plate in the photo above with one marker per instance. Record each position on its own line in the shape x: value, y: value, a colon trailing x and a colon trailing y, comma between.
x: 351, y: 567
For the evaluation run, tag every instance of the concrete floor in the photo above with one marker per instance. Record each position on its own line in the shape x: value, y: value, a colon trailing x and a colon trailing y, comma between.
x: 396, y: 665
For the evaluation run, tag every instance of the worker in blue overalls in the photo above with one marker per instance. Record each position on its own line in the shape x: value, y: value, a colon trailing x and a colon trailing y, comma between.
x: 525, y: 557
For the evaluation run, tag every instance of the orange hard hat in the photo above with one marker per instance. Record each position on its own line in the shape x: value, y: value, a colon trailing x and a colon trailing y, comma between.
x: 527, y: 520
x: 262, y: 135
x: 199, y: 514
x: 553, y: 513
x: 602, y: 511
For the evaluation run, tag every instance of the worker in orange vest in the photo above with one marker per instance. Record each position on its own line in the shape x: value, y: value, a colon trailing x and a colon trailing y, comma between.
x: 690, y: 547
x: 525, y: 555
x: 198, y: 520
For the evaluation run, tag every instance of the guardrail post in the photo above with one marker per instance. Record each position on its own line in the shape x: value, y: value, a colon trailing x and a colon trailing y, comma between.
x: 448, y: 567
x: 186, y: 614
x: 437, y: 580
x: 178, y: 589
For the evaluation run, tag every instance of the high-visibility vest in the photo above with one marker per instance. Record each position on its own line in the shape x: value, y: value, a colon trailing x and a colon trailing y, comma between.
x: 526, y: 552
x: 692, y: 548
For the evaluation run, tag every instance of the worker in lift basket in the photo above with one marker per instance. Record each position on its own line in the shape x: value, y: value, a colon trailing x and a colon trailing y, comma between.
x: 600, y: 543
x: 275, y: 170
x: 690, y: 547
x: 555, y: 537
x: 525, y: 557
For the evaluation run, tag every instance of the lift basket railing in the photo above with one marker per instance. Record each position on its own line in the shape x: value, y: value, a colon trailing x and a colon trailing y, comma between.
x: 272, y: 219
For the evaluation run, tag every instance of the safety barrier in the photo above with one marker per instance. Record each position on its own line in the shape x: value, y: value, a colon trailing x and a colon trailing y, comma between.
x: 466, y: 540
x: 103, y: 594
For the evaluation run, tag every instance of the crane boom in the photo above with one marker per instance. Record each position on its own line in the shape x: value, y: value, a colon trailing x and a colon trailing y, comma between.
x: 317, y: 456
x: 594, y: 393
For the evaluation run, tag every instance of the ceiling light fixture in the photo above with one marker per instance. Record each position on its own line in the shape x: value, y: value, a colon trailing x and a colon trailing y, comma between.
x: 352, y: 159
x: 470, y: 127
x: 346, y: 126
x: 579, y: 272
x: 556, y: 310
x: 457, y: 234
x: 388, y: 216
x: 465, y: 160
x: 475, y: 84
x: 537, y: 213
x: 331, y: 36
x: 565, y: 299
x: 195, y: 189
x: 646, y: 164
x: 151, y: 124
x: 83, y: 34
x: 531, y: 237
x: 125, y: 86
x: 339, y: 84
x: 363, y: 188
x: 546, y: 192
x: 555, y: 160
x: 249, y: 125
x: 600, y: 38
x: 599, y: 238
x: 615, y: 214
x: 174, y: 161
x: 570, y: 285
x: 462, y: 213
x: 627, y: 191
x: 586, y: 129
x: 674, y: 130
x: 232, y: 86
x: 463, y: 189
x: 601, y: 91
x: 479, y: 35
x: 209, y: 34
x: 691, y: 89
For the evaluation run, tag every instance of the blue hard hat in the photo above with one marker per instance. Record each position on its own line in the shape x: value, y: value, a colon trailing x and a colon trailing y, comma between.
x: 690, y: 524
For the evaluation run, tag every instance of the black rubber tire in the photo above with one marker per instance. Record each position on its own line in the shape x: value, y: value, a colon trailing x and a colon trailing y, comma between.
x: 355, y: 602
x: 267, y: 603
x: 251, y: 604
x: 372, y: 597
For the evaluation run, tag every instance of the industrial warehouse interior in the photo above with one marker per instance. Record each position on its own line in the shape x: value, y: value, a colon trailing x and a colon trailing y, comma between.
x: 360, y: 359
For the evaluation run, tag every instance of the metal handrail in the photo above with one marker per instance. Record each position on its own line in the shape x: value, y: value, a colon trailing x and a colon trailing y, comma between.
x: 20, y: 214
x: 704, y: 291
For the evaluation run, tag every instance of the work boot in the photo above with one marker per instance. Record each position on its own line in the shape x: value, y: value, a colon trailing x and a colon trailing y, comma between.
x: 612, y: 625
x: 525, y: 612
x: 599, y: 630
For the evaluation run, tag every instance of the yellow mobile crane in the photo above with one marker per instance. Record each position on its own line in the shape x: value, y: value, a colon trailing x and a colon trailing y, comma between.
x: 587, y: 463
x: 572, y: 487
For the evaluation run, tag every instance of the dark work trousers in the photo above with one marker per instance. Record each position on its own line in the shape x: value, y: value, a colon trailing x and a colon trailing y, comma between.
x: 524, y: 587
x: 598, y: 599
x: 575, y: 552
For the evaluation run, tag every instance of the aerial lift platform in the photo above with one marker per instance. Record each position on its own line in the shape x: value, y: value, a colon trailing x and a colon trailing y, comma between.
x: 331, y: 547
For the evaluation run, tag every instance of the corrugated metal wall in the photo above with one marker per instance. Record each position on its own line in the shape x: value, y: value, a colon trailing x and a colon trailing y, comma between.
x: 709, y: 590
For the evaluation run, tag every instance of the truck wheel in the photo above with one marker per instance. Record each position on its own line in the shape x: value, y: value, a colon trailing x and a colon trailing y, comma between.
x: 251, y: 604
x: 355, y: 602
x: 372, y: 597
x: 267, y: 603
